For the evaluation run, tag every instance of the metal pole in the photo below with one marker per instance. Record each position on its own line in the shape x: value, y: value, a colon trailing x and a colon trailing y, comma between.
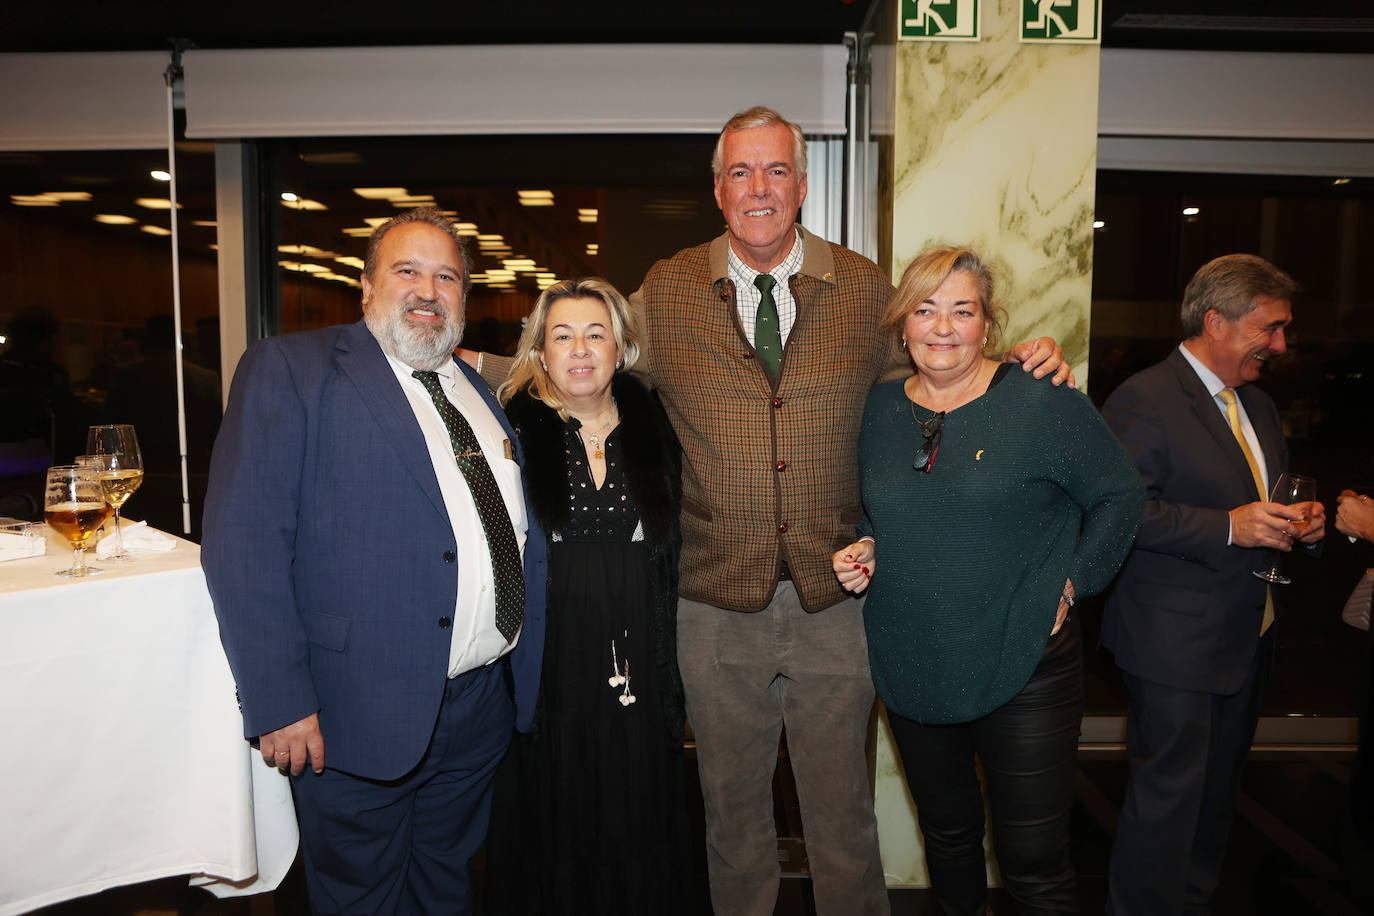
x: 170, y: 76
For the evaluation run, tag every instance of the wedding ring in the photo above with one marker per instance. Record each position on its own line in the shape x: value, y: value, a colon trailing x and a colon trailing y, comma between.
x: 283, y: 753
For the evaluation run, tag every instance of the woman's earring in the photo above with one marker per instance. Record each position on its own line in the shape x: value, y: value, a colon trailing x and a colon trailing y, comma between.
x: 985, y: 340
x: 903, y: 343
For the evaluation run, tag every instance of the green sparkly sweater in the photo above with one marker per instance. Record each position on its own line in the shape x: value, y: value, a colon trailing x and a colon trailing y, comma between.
x: 1029, y: 488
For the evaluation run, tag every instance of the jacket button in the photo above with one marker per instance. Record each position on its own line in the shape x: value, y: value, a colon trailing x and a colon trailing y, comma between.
x: 777, y: 402
x: 445, y: 623
x: 782, y: 528
x: 450, y: 556
x: 780, y: 466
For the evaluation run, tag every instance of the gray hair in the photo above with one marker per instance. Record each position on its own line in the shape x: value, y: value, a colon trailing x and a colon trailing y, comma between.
x: 759, y: 116
x: 1230, y: 284
x: 430, y: 216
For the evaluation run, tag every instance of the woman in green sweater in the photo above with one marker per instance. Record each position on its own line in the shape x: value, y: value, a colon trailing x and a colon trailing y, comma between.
x: 972, y: 646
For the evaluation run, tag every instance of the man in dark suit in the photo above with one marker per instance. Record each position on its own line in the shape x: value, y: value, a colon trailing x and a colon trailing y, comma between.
x: 1188, y: 623
x: 363, y: 538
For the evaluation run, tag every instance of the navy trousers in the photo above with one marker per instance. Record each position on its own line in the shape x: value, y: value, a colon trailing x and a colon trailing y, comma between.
x: 1187, y: 751
x: 403, y: 846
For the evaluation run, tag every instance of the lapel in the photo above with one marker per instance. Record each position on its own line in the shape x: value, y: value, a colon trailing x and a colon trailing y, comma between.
x: 361, y: 360
x: 1205, y: 409
x: 489, y: 397
x: 1269, y: 435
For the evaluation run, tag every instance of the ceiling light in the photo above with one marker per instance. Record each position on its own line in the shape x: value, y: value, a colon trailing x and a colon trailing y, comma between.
x: 161, y: 174
x: 375, y: 221
x: 155, y: 203
x: 518, y: 263
x: 68, y: 195
x: 33, y: 200
x: 352, y: 262
x: 114, y: 219
x: 1191, y: 211
x: 302, y: 203
x: 358, y: 232
x: 586, y: 214
x: 204, y: 223
x: 593, y: 248
x: 290, y: 196
x: 308, y: 250
x: 1340, y: 181
x: 1099, y: 224
x: 380, y: 193
x: 155, y: 230
x: 535, y: 198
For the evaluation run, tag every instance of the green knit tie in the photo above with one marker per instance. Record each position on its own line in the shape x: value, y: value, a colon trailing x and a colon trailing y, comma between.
x: 767, y: 333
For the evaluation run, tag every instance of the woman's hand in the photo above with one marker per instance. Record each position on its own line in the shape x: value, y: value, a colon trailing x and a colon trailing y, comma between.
x: 1065, y: 602
x: 854, y: 565
x: 1355, y: 515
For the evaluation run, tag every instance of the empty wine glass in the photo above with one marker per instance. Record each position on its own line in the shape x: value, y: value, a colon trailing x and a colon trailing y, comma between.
x: 119, y: 465
x: 74, y: 506
x: 1289, y: 489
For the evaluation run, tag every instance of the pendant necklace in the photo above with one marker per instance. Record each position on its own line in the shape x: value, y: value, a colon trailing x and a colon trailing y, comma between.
x: 595, y: 438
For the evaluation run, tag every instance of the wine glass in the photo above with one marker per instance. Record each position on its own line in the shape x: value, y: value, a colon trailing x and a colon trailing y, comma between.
x: 74, y: 506
x: 119, y: 465
x: 1289, y: 489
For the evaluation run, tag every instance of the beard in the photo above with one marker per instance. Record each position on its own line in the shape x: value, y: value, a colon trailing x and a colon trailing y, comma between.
x: 417, y: 347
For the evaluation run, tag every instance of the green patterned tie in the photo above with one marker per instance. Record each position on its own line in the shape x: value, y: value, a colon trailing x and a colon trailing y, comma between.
x: 506, y: 568
x: 767, y: 333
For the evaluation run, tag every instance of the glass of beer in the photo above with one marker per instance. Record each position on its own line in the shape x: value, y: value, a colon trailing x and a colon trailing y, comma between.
x: 119, y: 464
x: 74, y: 506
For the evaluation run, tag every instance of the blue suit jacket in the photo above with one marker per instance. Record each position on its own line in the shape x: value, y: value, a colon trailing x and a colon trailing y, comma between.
x: 330, y: 556
x: 1186, y: 610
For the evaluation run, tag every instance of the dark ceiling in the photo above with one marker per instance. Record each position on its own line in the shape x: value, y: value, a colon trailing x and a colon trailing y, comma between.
x: 89, y: 25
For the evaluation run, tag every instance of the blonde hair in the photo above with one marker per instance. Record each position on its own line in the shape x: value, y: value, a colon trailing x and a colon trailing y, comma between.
x: 923, y: 277
x: 528, y: 372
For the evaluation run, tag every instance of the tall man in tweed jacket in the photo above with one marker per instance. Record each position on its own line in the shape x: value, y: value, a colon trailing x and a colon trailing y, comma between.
x: 770, y: 492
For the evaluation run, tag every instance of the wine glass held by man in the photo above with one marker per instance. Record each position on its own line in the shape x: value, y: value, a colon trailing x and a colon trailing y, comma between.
x: 119, y: 463
x: 74, y: 506
x: 1298, y: 494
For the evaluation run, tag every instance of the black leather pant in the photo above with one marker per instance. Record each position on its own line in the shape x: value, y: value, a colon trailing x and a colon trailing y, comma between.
x: 1028, y: 748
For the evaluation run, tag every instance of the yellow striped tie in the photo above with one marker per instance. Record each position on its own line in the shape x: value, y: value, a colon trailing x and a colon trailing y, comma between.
x: 1228, y: 395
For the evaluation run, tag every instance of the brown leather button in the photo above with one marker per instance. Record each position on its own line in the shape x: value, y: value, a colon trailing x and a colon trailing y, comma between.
x: 777, y: 402
x: 782, y: 529
x: 780, y: 466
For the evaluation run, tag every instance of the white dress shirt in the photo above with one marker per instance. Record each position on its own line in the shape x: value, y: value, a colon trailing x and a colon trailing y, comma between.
x: 475, y: 641
x: 748, y: 296
x: 1214, y: 385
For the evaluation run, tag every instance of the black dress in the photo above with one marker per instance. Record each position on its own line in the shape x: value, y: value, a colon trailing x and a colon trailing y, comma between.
x: 589, y: 813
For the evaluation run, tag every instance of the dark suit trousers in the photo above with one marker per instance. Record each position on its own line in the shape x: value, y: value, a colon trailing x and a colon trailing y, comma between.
x: 403, y: 846
x: 1186, y: 750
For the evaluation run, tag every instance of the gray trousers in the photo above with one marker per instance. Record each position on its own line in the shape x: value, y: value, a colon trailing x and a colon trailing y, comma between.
x: 747, y: 676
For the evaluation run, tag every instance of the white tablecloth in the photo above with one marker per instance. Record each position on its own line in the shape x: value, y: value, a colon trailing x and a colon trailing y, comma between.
x: 124, y: 758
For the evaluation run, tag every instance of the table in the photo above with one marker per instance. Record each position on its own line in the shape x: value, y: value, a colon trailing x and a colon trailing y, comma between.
x: 124, y: 753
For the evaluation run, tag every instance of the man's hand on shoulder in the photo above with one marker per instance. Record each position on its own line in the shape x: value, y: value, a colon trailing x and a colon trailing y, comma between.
x: 290, y: 746
x: 1270, y: 525
x: 1041, y: 357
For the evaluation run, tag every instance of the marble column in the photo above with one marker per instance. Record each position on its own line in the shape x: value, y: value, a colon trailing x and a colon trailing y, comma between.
x: 993, y: 145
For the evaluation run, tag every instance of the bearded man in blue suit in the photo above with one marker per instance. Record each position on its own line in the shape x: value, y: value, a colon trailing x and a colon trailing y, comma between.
x: 379, y: 594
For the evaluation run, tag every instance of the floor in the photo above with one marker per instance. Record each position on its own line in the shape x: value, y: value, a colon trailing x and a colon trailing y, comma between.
x: 1285, y: 856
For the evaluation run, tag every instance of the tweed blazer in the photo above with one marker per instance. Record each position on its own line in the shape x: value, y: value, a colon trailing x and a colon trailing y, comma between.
x: 769, y: 468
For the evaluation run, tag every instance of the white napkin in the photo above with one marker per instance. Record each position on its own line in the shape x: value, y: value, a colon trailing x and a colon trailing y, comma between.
x: 19, y: 546
x: 138, y: 538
